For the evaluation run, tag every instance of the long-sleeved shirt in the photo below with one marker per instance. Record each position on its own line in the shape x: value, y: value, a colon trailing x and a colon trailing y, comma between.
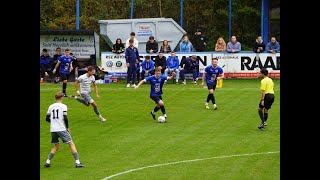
x: 153, y: 46
x: 235, y: 46
x: 147, y: 65
x: 173, y: 63
x: 273, y: 46
x: 256, y: 45
x: 160, y: 62
x: 135, y: 43
x: 185, y: 47
x: 132, y: 54
x: 118, y: 48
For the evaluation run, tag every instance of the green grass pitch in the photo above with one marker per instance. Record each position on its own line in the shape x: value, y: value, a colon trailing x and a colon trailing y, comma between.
x: 195, y: 142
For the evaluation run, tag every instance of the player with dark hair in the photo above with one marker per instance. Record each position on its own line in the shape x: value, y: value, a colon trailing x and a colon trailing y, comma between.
x: 267, y: 97
x: 156, y: 83
x: 212, y: 74
x: 75, y: 65
x: 45, y: 65
x: 59, y: 128
x: 65, y: 63
x: 85, y: 81
x: 54, y: 63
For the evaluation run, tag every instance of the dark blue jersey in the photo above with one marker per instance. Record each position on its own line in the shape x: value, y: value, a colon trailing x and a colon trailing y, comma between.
x: 212, y: 73
x: 156, y: 84
x: 65, y: 64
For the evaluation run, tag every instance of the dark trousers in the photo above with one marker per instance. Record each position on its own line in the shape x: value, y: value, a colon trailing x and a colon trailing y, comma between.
x: 144, y: 72
x: 193, y: 71
x: 45, y: 68
x: 131, y: 71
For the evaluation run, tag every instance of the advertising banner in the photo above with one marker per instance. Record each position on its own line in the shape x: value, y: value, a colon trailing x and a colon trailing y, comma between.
x: 235, y: 65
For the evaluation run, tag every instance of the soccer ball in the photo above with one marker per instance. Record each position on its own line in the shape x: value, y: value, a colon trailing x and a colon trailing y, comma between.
x: 161, y: 119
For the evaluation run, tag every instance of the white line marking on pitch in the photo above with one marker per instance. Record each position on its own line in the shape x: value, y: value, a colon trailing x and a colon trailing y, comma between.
x: 192, y: 160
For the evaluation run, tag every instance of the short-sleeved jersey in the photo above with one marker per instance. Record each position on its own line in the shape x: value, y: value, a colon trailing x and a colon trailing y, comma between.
x: 267, y: 85
x: 85, y: 83
x: 156, y: 84
x: 56, y: 112
x: 65, y: 64
x: 212, y: 73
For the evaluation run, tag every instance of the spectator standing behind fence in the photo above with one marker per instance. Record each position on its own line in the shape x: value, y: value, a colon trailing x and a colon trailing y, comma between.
x: 273, y: 46
x: 118, y: 47
x: 258, y: 45
x: 54, y: 63
x: 152, y: 45
x: 220, y: 45
x: 199, y: 41
x: 135, y: 42
x: 160, y: 62
x: 45, y: 60
x: 132, y: 58
x: 147, y: 67
x: 233, y: 46
x: 185, y: 45
x: 165, y: 48
x: 189, y: 65
x: 173, y: 66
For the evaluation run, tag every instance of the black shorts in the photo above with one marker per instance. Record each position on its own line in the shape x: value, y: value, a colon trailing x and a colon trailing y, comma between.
x: 211, y: 86
x: 64, y: 77
x: 156, y: 99
x: 268, y: 101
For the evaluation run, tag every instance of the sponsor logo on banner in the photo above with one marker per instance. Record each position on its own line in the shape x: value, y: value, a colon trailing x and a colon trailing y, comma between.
x: 109, y: 63
x: 118, y: 63
x: 235, y: 65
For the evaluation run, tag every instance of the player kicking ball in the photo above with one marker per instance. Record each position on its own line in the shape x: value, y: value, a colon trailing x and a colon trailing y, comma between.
x: 156, y: 83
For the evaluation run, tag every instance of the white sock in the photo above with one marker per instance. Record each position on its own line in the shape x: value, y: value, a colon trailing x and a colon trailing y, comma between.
x: 78, y: 161
x: 48, y: 161
x: 165, y: 115
x: 206, y: 104
x: 152, y: 112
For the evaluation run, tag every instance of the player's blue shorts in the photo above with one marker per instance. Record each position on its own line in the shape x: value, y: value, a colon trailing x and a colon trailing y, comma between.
x: 156, y: 99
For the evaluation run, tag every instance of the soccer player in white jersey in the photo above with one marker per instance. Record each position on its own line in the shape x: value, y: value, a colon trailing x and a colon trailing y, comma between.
x: 59, y: 128
x: 85, y: 81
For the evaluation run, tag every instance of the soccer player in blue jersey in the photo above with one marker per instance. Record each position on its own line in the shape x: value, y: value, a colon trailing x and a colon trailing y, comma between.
x: 212, y: 74
x: 156, y: 82
x: 65, y: 63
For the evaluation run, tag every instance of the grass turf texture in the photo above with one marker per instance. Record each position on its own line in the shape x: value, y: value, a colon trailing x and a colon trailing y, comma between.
x: 131, y: 139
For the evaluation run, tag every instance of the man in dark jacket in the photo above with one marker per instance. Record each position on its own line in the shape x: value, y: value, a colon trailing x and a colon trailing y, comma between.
x: 200, y: 41
x: 189, y: 65
x: 160, y: 62
x: 152, y: 45
x: 258, y: 45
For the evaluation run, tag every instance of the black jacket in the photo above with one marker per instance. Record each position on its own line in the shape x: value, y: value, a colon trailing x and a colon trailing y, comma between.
x: 199, y: 41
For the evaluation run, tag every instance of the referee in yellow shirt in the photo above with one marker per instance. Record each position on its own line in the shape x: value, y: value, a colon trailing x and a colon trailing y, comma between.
x: 267, y: 97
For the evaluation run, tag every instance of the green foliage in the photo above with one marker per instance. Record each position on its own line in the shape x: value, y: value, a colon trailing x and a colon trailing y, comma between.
x: 211, y: 16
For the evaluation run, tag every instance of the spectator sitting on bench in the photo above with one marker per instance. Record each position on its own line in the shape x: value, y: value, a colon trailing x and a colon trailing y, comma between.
x: 172, y: 66
x: 147, y: 67
x: 189, y: 65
